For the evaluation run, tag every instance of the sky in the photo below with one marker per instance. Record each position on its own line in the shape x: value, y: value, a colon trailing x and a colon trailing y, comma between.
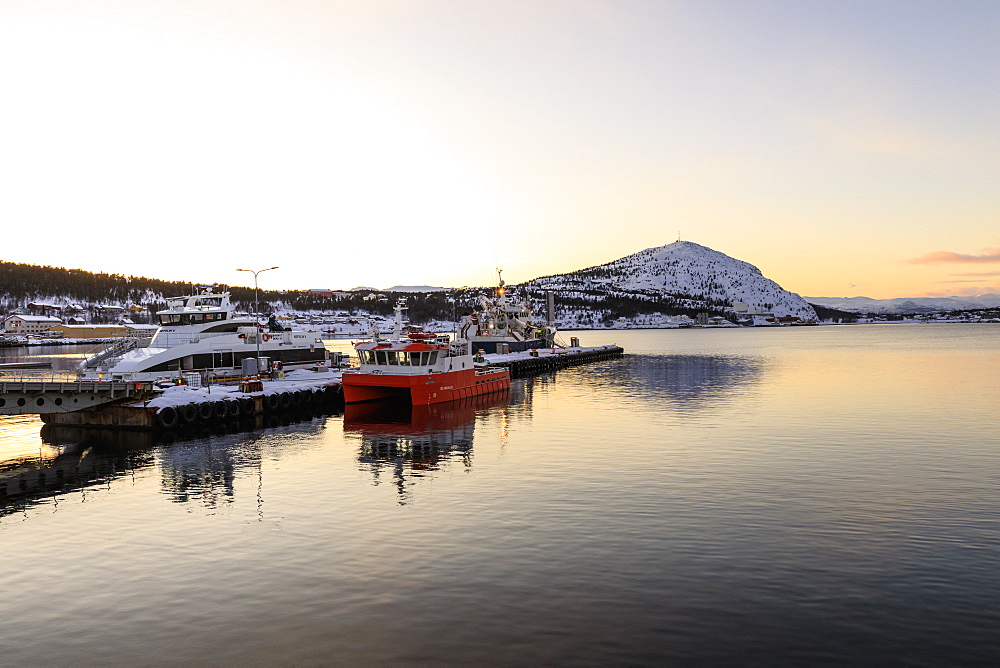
x: 844, y: 148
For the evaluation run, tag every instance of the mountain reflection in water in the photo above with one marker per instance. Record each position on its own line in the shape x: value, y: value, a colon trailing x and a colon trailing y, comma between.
x: 687, y: 382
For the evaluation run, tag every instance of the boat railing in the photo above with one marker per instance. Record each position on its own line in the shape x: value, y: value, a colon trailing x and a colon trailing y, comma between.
x: 114, y: 351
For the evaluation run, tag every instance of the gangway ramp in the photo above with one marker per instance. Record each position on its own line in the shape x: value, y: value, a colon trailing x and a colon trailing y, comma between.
x: 46, y: 396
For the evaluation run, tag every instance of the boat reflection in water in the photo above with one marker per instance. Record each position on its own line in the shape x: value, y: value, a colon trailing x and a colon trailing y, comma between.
x: 409, y: 441
x: 198, y: 465
x: 67, y: 463
x: 395, y: 441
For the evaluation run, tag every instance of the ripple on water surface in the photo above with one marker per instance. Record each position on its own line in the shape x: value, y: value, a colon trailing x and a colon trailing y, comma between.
x: 812, y: 495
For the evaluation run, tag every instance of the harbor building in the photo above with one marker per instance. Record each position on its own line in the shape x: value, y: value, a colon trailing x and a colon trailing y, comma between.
x: 19, y: 323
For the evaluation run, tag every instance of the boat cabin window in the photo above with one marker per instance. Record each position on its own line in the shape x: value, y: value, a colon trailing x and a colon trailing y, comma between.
x: 397, y: 358
x: 191, y: 318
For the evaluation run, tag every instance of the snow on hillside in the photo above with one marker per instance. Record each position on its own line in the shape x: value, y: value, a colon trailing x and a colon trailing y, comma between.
x: 908, y: 304
x: 415, y: 288
x: 699, y: 276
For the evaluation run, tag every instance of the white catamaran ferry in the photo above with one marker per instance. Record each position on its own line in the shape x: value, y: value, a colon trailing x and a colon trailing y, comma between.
x: 200, y: 333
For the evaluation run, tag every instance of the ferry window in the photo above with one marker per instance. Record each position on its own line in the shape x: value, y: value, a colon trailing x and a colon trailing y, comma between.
x: 404, y: 358
x: 367, y: 356
x: 434, y: 357
x: 423, y: 358
x: 225, y: 327
x: 380, y: 357
x: 392, y: 357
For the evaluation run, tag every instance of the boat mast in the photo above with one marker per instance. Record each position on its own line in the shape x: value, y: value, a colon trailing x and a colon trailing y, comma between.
x: 501, y: 292
x: 397, y: 327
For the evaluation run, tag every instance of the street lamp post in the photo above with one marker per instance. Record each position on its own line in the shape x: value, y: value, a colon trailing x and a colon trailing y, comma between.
x: 256, y: 308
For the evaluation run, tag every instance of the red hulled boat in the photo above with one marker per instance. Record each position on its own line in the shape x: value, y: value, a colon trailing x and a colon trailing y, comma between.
x: 419, y: 367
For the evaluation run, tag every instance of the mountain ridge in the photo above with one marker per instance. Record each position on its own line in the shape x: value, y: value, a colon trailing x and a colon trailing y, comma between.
x: 908, y: 304
x: 687, y: 275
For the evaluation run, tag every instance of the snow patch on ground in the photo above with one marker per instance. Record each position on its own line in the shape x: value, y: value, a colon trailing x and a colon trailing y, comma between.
x: 300, y: 379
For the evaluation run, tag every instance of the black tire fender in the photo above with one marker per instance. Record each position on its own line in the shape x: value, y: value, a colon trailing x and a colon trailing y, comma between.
x: 167, y: 417
x: 188, y: 413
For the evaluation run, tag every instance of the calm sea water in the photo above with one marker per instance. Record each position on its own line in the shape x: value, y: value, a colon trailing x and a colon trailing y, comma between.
x: 821, y: 495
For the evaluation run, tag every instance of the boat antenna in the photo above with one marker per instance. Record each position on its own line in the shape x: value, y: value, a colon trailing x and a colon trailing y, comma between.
x: 454, y: 314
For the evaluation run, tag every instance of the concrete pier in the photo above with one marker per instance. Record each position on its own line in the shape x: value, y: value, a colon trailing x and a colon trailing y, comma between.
x: 29, y: 396
x: 525, y: 364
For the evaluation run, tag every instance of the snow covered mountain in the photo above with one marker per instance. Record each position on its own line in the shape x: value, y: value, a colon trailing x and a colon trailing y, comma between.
x: 688, y: 274
x: 400, y: 288
x: 908, y: 304
x: 415, y: 288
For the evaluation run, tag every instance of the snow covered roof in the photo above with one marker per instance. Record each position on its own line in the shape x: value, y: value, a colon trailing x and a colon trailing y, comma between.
x: 81, y: 328
x: 33, y: 318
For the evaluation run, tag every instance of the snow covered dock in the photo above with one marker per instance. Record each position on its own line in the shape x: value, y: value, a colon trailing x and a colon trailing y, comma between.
x: 529, y: 362
x: 186, y: 406
x: 300, y: 391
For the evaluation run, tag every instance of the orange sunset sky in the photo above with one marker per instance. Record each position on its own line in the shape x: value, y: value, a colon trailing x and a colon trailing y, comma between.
x: 845, y: 148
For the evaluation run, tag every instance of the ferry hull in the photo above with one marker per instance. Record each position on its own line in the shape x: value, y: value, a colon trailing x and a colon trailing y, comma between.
x: 423, y: 389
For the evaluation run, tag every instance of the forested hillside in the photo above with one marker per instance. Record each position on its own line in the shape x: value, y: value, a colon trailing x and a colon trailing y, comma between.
x: 22, y: 284
x: 679, y: 279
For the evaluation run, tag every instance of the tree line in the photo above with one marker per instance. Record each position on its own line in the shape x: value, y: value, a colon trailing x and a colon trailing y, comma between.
x: 21, y: 284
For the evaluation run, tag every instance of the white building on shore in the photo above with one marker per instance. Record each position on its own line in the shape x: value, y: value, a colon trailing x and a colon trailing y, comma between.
x: 18, y: 323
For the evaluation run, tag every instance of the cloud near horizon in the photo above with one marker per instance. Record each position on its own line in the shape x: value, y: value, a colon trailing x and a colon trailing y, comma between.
x: 940, y: 257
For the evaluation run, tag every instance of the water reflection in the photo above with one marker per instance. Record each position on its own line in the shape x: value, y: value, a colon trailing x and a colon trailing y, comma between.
x: 60, y: 362
x: 398, y: 444
x: 404, y: 442
x: 72, y: 464
x: 195, y: 466
x: 686, y: 381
